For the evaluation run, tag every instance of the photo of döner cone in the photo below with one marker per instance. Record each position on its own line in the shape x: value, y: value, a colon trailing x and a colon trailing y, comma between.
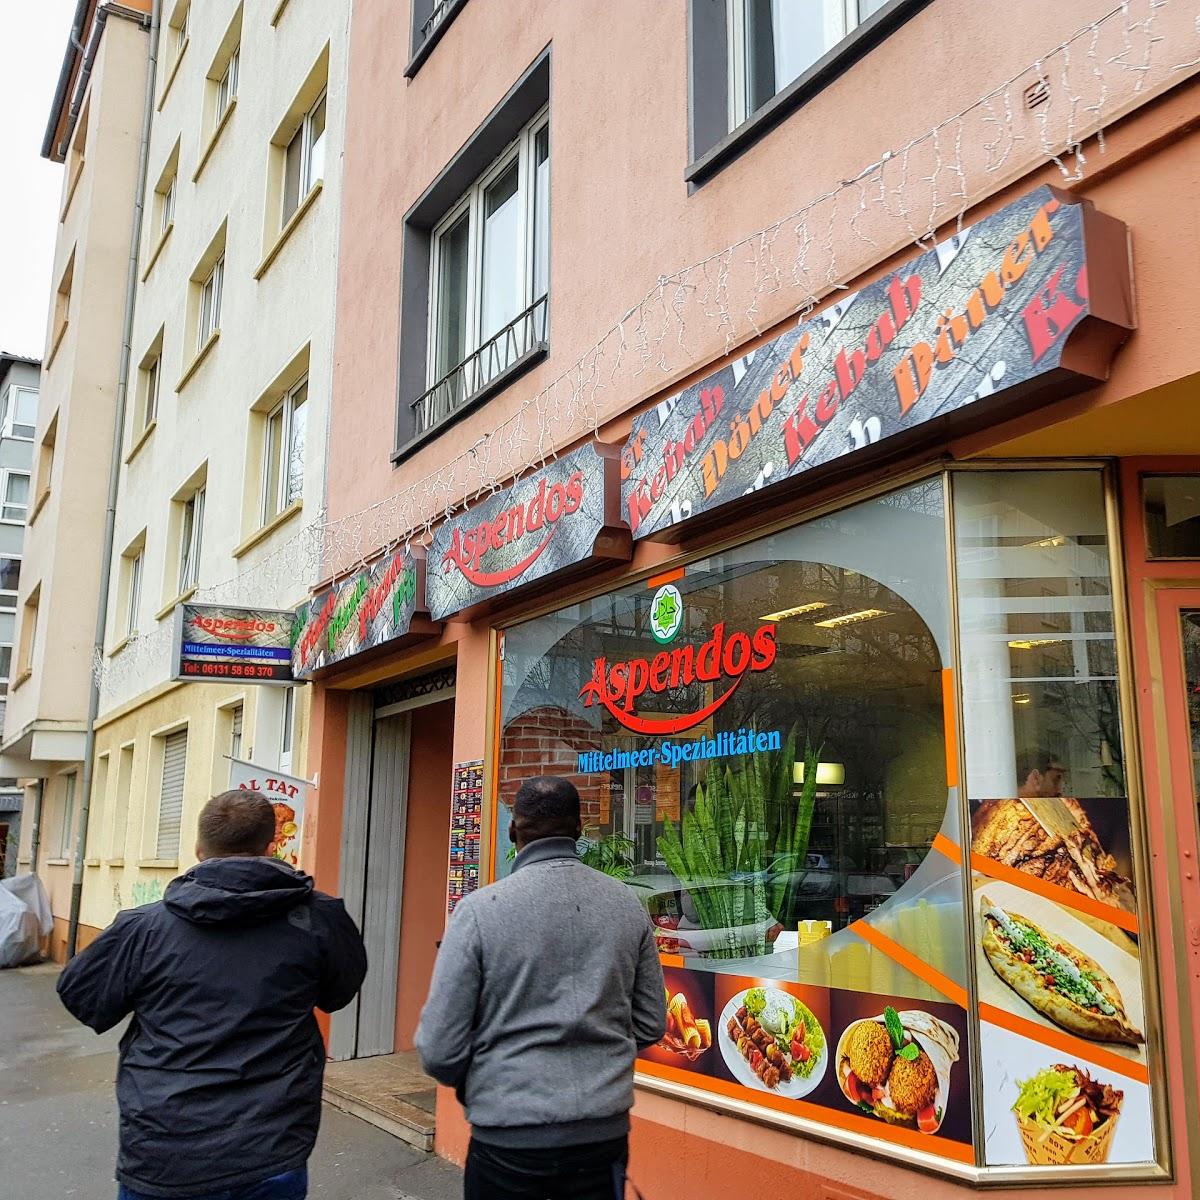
x: 896, y: 1067
x: 686, y: 1034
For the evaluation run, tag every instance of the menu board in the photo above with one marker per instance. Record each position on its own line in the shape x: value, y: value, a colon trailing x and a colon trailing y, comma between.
x: 880, y: 1066
x: 466, y: 822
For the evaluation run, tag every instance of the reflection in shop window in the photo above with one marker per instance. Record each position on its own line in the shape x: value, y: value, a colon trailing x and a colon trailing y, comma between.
x: 773, y: 770
x: 1171, y: 508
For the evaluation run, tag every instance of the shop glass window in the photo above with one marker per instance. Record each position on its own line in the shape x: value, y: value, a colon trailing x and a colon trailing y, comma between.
x: 14, y: 504
x: 773, y: 42
x: 1190, y: 626
x: 304, y: 160
x: 490, y: 276
x: 767, y: 749
x: 283, y: 466
x: 1171, y: 510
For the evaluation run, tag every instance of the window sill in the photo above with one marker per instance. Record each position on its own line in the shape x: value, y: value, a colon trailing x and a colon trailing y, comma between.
x: 121, y: 644
x: 158, y: 249
x: 142, y: 439
x: 55, y: 342
x: 829, y: 67
x: 172, y: 73
x: 530, y: 359
x: 289, y: 228
x: 20, y: 680
x: 211, y: 145
x: 38, y: 505
x: 278, y: 12
x: 281, y: 518
x: 201, y: 355
x: 426, y: 47
x: 168, y: 608
x: 58, y: 862
x: 159, y: 864
x: 91, y: 862
x: 114, y: 862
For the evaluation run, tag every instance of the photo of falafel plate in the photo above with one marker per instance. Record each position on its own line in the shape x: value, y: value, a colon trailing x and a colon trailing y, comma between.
x: 771, y: 1041
x: 896, y: 1067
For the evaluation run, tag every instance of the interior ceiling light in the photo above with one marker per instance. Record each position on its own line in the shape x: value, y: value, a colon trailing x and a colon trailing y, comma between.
x: 1047, y: 543
x: 853, y: 618
x: 1034, y: 643
x: 798, y: 611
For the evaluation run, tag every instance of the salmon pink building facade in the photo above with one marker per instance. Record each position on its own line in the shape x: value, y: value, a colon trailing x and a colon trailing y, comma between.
x: 780, y: 420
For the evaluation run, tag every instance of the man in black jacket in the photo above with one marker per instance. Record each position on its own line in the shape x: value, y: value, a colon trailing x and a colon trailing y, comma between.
x: 220, y: 1075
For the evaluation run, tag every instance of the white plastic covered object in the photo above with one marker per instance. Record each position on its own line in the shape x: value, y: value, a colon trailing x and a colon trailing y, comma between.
x: 25, y: 919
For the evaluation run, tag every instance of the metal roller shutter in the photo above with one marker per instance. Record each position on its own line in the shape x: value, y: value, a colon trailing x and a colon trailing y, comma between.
x: 170, y: 801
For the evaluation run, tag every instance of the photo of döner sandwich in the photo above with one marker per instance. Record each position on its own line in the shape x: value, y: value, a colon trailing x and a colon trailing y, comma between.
x: 896, y: 1066
x: 1054, y: 977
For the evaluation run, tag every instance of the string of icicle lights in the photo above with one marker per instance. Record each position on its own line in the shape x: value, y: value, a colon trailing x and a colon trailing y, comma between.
x: 1131, y: 51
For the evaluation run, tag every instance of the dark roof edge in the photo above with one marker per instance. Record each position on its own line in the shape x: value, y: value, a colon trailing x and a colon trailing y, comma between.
x: 63, y: 87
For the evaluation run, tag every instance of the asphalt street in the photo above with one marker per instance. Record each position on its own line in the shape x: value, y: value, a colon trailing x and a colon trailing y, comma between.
x: 58, y: 1115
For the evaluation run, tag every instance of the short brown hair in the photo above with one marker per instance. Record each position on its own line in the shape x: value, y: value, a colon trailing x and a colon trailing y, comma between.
x: 236, y: 822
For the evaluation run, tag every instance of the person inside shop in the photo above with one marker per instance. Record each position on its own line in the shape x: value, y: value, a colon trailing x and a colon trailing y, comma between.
x: 546, y: 986
x: 221, y: 1069
x: 1040, y: 774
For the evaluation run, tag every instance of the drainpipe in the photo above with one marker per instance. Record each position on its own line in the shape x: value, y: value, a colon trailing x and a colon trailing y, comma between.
x: 35, y: 836
x: 114, y: 480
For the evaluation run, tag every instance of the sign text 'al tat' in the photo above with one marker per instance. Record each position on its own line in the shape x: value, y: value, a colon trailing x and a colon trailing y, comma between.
x: 215, y: 643
x: 1027, y: 304
x: 375, y: 606
x: 552, y: 520
x: 288, y: 795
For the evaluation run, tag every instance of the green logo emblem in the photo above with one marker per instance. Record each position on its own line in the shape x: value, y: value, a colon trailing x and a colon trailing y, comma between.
x: 666, y: 613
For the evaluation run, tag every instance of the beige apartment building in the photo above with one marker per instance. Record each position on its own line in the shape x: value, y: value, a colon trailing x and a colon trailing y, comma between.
x: 222, y: 439
x: 93, y: 129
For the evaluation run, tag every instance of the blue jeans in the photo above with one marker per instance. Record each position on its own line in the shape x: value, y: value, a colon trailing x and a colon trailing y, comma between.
x: 293, y: 1185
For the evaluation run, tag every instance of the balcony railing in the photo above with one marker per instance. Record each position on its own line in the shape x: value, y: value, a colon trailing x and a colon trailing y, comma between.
x: 472, y: 378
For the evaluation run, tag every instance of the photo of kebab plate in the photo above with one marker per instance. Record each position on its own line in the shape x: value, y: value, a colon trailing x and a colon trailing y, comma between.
x: 771, y: 1040
x: 896, y: 1067
x: 1055, y: 978
x: 686, y: 1034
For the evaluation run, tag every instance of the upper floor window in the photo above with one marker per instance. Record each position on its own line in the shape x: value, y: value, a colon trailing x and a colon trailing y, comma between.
x: 14, y: 500
x: 191, y: 537
x: 304, y: 159
x: 490, y: 276
x: 773, y: 42
x: 10, y: 581
x: 430, y: 19
x: 210, y: 303
x: 20, y: 413
x: 755, y: 61
x: 283, y: 466
x: 134, y: 566
x: 175, y: 42
x: 227, y: 85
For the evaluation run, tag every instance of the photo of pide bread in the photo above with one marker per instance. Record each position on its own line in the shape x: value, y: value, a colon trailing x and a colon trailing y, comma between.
x: 1054, y: 977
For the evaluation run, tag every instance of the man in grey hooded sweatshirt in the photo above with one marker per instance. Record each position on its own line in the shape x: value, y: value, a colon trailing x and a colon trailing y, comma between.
x: 547, y: 985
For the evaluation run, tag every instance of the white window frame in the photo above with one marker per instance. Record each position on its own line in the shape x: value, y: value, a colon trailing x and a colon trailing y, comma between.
x: 287, y: 732
x: 522, y: 150
x: 11, y: 424
x: 272, y: 505
x: 739, y: 102
x: 6, y: 675
x: 67, y: 824
x: 168, y: 206
x: 183, y: 31
x: 133, y: 600
x: 191, y: 540
x: 227, y: 86
x: 6, y: 593
x: 6, y: 474
x: 307, y: 180
x: 209, y: 317
x: 153, y: 373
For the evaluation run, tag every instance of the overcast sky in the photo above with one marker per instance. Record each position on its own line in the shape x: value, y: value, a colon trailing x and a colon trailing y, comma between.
x: 34, y: 37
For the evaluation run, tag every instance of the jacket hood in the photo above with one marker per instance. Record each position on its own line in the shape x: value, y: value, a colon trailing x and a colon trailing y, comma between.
x: 231, y: 891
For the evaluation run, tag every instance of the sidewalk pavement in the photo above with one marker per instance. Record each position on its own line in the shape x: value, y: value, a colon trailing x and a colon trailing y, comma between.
x: 58, y: 1115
